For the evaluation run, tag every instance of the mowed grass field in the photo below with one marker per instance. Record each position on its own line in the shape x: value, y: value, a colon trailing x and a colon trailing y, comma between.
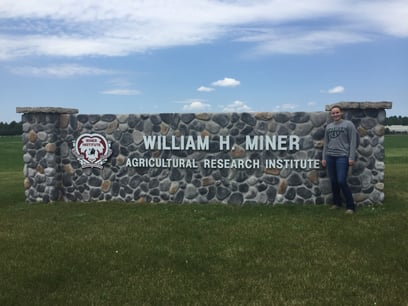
x: 167, y: 254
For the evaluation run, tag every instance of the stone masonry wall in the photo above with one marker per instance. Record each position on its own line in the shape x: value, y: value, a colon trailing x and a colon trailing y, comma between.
x: 52, y: 172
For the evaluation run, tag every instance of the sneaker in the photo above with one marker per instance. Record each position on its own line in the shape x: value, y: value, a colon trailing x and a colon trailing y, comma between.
x: 334, y: 207
x: 349, y: 211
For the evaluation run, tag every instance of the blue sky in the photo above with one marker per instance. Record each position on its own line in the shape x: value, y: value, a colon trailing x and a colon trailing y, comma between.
x: 103, y: 56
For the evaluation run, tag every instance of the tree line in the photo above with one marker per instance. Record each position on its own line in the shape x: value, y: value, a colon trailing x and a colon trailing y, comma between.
x: 396, y: 120
x: 16, y: 128
x: 12, y: 128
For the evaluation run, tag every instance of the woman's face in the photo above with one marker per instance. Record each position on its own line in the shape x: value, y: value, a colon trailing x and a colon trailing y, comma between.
x: 336, y: 114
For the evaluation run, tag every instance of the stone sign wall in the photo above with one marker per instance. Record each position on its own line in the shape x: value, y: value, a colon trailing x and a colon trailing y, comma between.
x: 232, y: 158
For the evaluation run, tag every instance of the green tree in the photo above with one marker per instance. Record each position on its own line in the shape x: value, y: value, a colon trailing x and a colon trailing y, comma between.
x: 396, y: 120
x: 12, y: 128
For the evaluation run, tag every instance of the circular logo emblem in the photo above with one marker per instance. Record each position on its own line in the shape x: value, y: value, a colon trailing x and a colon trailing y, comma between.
x: 92, y: 150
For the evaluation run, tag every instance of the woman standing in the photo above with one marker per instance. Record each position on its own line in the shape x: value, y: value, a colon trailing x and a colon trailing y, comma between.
x: 339, y: 152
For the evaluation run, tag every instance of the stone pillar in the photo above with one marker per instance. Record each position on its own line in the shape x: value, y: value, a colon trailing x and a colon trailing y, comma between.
x: 41, y: 135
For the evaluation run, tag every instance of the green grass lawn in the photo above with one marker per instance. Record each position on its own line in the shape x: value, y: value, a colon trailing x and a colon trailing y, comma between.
x: 163, y: 254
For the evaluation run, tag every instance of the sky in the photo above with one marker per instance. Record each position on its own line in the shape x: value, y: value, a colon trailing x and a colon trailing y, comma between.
x: 158, y: 56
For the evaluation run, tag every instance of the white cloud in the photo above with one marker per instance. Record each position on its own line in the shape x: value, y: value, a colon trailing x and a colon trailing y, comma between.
x: 295, y: 41
x: 196, y: 106
x: 103, y: 28
x: 387, y: 17
x: 226, y: 82
x: 205, y: 89
x: 120, y: 82
x: 121, y: 92
x: 59, y: 71
x: 237, y: 106
x: 120, y: 87
x: 336, y: 90
x: 286, y: 107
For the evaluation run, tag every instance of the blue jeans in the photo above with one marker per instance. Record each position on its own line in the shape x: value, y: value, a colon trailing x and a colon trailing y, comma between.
x: 337, y: 167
